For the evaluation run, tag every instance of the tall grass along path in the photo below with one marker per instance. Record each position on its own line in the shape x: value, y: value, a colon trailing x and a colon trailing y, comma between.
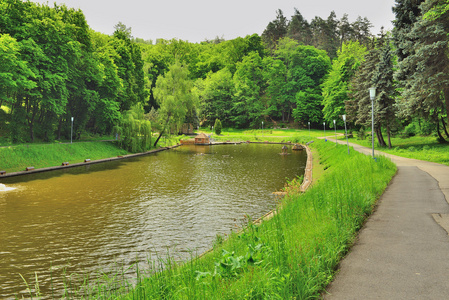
x: 403, y: 250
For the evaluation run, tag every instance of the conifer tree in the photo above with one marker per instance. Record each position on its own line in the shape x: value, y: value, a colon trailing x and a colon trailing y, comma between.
x: 383, y: 81
x: 426, y: 87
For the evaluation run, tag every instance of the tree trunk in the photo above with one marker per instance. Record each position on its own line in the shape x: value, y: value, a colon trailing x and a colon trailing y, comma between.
x: 444, y: 127
x: 59, y: 129
x: 441, y: 138
x: 380, y: 138
x: 162, y: 132
x: 446, y: 101
x: 389, y: 136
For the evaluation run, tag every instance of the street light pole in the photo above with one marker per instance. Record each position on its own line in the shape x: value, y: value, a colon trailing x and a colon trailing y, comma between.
x: 335, y: 127
x: 309, y: 130
x: 347, y: 142
x: 71, y: 132
x: 324, y: 126
x: 372, y: 95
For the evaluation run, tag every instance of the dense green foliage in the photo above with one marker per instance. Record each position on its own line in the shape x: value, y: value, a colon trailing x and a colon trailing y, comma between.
x: 53, y: 68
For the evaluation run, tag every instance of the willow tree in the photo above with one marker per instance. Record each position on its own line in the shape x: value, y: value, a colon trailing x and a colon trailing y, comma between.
x: 175, y: 97
x: 134, y: 130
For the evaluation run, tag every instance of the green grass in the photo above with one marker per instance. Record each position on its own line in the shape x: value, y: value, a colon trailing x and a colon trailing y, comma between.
x: 271, y: 135
x: 17, y: 158
x: 294, y: 255
x: 417, y: 147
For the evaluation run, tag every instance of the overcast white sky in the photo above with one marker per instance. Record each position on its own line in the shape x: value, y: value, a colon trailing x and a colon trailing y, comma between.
x: 197, y: 20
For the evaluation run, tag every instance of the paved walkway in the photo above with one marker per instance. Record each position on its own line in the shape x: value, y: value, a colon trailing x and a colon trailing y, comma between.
x: 402, y: 252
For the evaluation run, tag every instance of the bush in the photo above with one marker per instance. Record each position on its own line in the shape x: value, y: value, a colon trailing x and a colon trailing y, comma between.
x: 410, y: 130
x: 217, y: 127
x: 361, y: 135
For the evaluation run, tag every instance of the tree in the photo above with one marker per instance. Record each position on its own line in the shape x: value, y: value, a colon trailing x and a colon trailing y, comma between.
x: 217, y: 127
x: 383, y: 81
x: 15, y: 75
x: 299, y: 29
x: 335, y: 86
x: 249, y: 89
x: 134, y: 130
x: 375, y: 71
x: 130, y: 68
x: 173, y: 92
x: 275, y: 30
x: 426, y: 88
x: 325, y: 34
x: 216, y: 93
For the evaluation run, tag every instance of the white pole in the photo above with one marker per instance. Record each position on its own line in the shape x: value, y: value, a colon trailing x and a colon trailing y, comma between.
x: 309, y: 130
x: 71, y: 131
x: 324, y: 126
x: 372, y: 94
x: 335, y: 127
x: 347, y: 142
x: 262, y: 128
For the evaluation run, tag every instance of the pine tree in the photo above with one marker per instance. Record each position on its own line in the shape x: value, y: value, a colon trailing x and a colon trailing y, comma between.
x: 275, y: 30
x: 383, y: 81
x: 299, y: 29
x: 376, y: 71
x: 426, y: 88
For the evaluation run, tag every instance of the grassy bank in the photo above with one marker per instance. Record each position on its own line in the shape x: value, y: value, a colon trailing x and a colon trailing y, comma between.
x: 292, y: 256
x: 17, y: 158
x: 417, y: 147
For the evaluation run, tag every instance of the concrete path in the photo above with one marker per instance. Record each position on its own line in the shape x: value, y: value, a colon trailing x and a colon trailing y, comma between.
x: 401, y: 252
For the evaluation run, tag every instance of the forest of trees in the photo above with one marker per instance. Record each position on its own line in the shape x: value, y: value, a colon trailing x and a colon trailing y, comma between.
x: 54, y: 67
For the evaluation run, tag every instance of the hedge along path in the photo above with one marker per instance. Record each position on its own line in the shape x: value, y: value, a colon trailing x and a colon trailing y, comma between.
x: 401, y: 252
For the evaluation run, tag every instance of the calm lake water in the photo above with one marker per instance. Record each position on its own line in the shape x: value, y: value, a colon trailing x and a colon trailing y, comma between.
x: 91, y: 218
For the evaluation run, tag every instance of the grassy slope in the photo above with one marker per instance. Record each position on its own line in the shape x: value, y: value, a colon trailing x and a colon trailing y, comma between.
x: 418, y: 147
x: 293, y: 255
x: 17, y: 158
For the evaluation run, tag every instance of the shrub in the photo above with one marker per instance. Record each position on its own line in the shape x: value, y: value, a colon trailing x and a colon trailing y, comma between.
x: 410, y: 130
x: 217, y: 126
x: 361, y: 135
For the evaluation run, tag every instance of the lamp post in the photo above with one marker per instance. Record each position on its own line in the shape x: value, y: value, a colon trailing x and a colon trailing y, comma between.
x: 324, y: 126
x: 71, y: 131
x: 372, y: 95
x: 347, y: 142
x: 309, y: 130
x: 262, y: 128
x: 335, y: 127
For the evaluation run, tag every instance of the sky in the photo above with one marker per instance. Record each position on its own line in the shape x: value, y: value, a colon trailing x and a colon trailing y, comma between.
x: 198, y: 20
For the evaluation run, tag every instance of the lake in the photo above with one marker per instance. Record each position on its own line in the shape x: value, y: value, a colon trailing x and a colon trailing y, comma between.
x: 94, y: 218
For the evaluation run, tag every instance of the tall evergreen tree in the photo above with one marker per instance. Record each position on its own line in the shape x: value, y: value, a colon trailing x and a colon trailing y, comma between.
x: 299, y: 29
x: 426, y: 87
x: 275, y: 30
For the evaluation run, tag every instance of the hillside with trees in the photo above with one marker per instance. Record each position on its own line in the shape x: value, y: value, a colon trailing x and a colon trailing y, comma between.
x: 55, y: 68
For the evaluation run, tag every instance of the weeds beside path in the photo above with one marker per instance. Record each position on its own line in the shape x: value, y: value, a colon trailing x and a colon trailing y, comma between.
x: 402, y: 252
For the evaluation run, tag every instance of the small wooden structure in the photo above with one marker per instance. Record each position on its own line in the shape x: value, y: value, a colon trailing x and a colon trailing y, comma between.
x: 297, y: 147
x: 202, y: 139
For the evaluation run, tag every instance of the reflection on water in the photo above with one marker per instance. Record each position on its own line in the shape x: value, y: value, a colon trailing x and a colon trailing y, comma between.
x: 85, y: 219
